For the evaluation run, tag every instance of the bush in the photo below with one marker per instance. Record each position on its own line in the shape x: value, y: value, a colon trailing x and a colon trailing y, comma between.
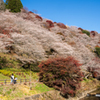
x: 93, y: 33
x: 61, y: 25
x: 60, y: 33
x: 3, y: 62
x: 6, y: 73
x: 50, y: 23
x: 14, y: 5
x: 80, y: 29
x: 94, y: 71
x: 97, y: 51
x: 39, y: 17
x: 86, y: 32
x: 3, y: 31
x: 61, y: 73
x: 33, y: 66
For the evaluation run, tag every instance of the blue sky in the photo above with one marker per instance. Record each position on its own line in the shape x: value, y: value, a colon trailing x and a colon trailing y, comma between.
x: 80, y: 13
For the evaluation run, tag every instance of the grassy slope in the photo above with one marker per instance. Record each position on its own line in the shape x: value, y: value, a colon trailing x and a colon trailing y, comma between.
x: 3, y: 77
x: 18, y: 91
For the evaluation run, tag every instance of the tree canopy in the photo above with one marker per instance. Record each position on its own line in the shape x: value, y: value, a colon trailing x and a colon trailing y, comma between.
x: 14, y: 5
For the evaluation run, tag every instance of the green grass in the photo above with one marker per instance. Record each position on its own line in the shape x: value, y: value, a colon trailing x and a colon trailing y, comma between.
x: 19, y: 73
x: 10, y: 92
x: 19, y: 91
x: 1, y: 90
x: 2, y: 77
x: 42, y: 88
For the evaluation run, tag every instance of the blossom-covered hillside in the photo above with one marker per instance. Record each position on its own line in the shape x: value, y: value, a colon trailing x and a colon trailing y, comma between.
x: 30, y: 38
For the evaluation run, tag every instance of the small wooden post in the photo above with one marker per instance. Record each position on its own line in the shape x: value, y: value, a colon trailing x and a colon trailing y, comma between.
x: 25, y: 80
x: 5, y: 82
x: 20, y: 81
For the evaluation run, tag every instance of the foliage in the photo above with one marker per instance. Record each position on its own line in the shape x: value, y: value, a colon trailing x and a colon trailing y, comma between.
x: 32, y: 66
x: 2, y: 77
x: 93, y: 33
x: 6, y: 61
x: 99, y: 42
x: 60, y: 33
x: 72, y: 43
x: 14, y: 5
x: 18, y: 73
x: 3, y: 62
x: 80, y: 29
x: 86, y: 32
x: 97, y: 51
x: 3, y: 31
x: 50, y: 23
x: 61, y: 73
x: 94, y: 71
x: 61, y: 25
x: 39, y: 17
x: 7, y: 73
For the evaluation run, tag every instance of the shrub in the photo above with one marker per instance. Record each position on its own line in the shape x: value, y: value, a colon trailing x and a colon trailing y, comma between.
x: 5, y: 32
x: 60, y: 33
x: 14, y: 5
x: 61, y: 25
x: 72, y: 43
x: 94, y: 71
x: 93, y: 33
x: 97, y: 51
x: 33, y: 66
x: 2, y: 84
x: 39, y: 17
x: 80, y: 29
x: 61, y: 73
x: 7, y: 73
x: 86, y: 32
x: 3, y: 62
x: 50, y: 23
x: 99, y: 42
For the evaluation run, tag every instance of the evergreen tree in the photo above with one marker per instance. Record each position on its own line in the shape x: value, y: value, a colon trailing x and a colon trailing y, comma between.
x: 2, y: 5
x: 6, y: 4
x: 14, y: 5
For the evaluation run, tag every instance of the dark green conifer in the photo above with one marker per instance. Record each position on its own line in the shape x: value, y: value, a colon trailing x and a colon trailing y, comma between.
x: 14, y: 5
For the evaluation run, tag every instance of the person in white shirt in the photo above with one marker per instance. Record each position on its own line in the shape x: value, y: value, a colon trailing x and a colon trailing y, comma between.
x: 12, y: 78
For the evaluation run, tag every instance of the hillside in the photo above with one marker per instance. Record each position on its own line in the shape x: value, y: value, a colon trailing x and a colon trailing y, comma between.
x: 30, y: 38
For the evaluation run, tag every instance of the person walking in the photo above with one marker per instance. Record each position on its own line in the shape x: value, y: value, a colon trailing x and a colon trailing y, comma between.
x: 12, y: 78
x: 15, y: 80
